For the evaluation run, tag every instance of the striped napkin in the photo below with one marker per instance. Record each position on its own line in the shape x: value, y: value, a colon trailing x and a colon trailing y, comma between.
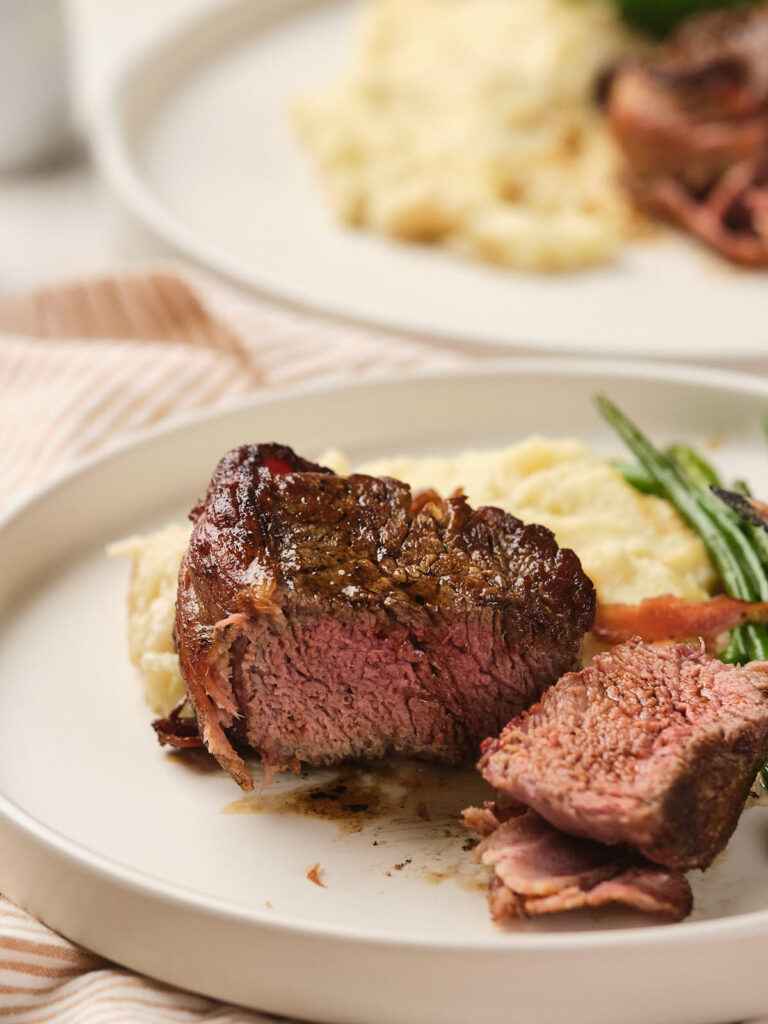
x: 81, y: 364
x: 85, y: 362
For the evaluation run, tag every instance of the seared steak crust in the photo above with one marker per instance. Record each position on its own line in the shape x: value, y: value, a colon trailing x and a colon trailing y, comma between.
x: 656, y: 747
x: 323, y: 618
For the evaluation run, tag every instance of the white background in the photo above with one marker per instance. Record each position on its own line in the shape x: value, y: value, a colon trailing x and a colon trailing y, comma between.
x: 61, y: 221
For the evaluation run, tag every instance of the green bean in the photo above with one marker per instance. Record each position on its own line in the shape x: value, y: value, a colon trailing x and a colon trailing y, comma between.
x: 693, y: 469
x: 735, y: 653
x: 730, y: 526
x: 759, y: 538
x: 757, y: 535
x: 696, y: 468
x: 740, y: 570
x: 636, y: 476
x: 673, y: 488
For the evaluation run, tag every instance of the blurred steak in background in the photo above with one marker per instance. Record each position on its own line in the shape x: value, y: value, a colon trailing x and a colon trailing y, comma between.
x: 693, y: 124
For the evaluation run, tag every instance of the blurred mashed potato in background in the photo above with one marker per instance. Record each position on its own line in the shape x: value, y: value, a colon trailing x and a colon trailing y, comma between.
x: 631, y: 545
x: 473, y: 123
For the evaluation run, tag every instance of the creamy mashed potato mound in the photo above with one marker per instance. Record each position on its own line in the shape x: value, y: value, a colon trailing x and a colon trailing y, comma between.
x: 631, y: 545
x: 473, y: 123
x: 155, y: 560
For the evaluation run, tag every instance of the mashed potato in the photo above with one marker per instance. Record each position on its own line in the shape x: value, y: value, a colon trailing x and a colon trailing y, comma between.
x: 631, y: 545
x: 473, y: 123
x: 155, y: 559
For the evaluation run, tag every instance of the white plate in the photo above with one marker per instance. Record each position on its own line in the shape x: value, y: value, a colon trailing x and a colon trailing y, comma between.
x: 195, y: 136
x: 113, y: 842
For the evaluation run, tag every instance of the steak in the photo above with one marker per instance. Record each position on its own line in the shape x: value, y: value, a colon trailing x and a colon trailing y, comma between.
x: 692, y: 121
x: 323, y: 618
x: 539, y: 870
x: 655, y: 747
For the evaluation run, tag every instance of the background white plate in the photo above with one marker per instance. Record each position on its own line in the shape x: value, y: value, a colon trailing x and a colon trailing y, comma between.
x: 113, y: 842
x: 195, y: 136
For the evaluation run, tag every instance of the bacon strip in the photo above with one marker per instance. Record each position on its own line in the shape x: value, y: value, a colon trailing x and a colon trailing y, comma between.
x: 175, y: 731
x: 196, y: 673
x: 674, y: 618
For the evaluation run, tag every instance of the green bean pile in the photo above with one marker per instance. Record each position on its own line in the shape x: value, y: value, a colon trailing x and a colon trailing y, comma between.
x: 738, y: 549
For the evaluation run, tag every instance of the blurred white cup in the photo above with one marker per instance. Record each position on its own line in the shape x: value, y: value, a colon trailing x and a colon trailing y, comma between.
x: 34, y: 115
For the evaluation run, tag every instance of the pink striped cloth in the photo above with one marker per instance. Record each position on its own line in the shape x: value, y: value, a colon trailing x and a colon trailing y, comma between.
x: 84, y: 362
x: 79, y: 365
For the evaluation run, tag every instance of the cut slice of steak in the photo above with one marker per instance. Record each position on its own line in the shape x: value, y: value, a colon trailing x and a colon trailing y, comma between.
x: 652, y: 746
x: 323, y: 618
x: 540, y: 870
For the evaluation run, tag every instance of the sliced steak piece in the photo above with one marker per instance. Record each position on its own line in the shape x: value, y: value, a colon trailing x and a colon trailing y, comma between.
x: 324, y: 618
x: 539, y: 870
x: 652, y: 746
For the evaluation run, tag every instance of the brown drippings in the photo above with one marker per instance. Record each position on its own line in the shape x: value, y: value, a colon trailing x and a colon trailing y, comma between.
x: 314, y: 875
x: 758, y: 795
x: 351, y: 799
x: 355, y: 798
x: 436, y: 877
x: 411, y: 809
x: 476, y: 880
x: 463, y: 872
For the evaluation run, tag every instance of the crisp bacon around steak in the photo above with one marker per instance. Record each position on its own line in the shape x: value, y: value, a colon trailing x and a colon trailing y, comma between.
x: 674, y: 618
x: 178, y: 731
x: 693, y: 124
